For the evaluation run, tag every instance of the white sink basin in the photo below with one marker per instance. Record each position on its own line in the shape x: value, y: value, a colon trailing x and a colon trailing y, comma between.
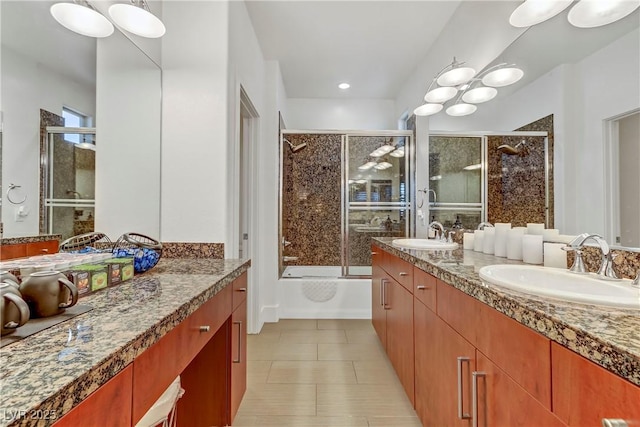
x: 424, y: 244
x: 561, y: 284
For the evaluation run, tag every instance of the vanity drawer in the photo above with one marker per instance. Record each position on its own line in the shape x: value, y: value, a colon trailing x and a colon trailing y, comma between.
x: 400, y: 270
x: 239, y: 290
x: 158, y: 366
x: 424, y: 288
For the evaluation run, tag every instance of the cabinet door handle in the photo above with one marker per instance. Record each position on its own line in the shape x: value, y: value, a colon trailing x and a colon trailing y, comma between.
x: 402, y: 274
x: 461, y: 414
x: 384, y: 294
x: 421, y: 287
x: 614, y: 422
x: 206, y: 328
x: 241, y: 290
x: 474, y: 396
x: 239, y: 359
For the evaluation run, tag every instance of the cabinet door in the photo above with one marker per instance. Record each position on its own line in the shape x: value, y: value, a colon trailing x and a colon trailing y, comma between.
x: 502, y: 402
x: 18, y: 250
x: 424, y: 288
x: 238, y: 356
x: 585, y: 393
x: 439, y: 394
x: 110, y: 405
x: 42, y: 248
x: 378, y: 313
x: 399, y: 305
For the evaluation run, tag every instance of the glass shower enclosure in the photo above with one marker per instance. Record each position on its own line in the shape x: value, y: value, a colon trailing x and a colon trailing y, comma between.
x: 337, y: 191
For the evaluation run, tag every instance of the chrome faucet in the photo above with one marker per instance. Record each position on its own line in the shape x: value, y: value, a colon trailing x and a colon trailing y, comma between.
x: 436, y: 225
x: 606, y: 267
x: 483, y: 225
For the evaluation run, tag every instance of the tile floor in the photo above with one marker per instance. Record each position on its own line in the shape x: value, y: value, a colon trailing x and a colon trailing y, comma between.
x: 321, y: 373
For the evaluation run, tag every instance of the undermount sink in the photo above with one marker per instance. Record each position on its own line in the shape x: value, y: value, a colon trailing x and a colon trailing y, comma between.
x: 425, y: 244
x: 561, y: 284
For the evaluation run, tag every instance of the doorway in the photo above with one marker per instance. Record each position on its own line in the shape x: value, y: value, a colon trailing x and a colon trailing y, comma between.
x: 623, y: 179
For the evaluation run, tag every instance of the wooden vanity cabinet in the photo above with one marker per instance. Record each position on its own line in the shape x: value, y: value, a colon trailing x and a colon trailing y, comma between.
x: 109, y: 406
x: 392, y: 315
x: 207, y: 350
x: 585, y: 393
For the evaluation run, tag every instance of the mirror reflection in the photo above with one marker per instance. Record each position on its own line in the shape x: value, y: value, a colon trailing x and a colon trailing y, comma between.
x: 53, y: 77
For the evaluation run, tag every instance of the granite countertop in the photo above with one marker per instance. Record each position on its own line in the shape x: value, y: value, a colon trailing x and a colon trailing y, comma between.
x: 29, y: 239
x: 607, y: 336
x: 51, y: 371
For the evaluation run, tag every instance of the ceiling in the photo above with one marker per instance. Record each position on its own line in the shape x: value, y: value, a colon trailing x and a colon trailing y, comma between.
x: 373, y: 45
x: 377, y: 45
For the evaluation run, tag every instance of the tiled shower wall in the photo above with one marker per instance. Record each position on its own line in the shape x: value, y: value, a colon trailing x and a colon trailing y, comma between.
x: 311, y: 197
x: 516, y: 184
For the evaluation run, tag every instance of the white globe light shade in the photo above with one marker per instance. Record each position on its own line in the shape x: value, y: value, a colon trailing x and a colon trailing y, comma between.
x: 533, y: 12
x: 427, y: 109
x: 81, y: 20
x: 441, y: 94
x: 137, y: 20
x: 461, y: 110
x: 502, y: 77
x: 456, y: 77
x: 479, y: 95
x: 595, y: 13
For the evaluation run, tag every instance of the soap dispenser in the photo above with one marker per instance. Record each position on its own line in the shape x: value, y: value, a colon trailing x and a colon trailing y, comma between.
x: 388, y: 224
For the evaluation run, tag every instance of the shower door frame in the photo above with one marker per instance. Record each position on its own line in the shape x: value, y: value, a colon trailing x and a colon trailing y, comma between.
x: 409, y: 181
x: 484, y: 135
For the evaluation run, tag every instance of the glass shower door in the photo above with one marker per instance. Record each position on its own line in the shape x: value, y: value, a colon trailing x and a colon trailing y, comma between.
x: 376, y: 195
x: 70, y: 184
x: 455, y: 194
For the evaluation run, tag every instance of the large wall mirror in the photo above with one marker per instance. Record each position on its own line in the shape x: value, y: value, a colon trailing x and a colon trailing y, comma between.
x: 110, y: 84
x: 588, y: 80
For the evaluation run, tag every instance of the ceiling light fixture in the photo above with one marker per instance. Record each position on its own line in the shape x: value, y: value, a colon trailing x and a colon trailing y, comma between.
x: 80, y: 17
x: 398, y: 152
x: 367, y: 166
x: 473, y: 167
x: 533, y: 12
x: 502, y: 76
x: 596, y: 13
x: 479, y: 95
x: 457, y: 75
x: 462, y: 109
x: 427, y: 109
x: 383, y: 165
x: 584, y: 14
x: 137, y: 18
x: 441, y: 94
x: 344, y: 85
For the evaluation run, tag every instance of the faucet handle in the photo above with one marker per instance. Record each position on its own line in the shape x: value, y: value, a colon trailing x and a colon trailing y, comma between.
x: 606, y: 268
x: 578, y: 263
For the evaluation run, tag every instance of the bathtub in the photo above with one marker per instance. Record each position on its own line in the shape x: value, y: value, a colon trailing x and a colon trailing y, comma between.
x: 318, y: 292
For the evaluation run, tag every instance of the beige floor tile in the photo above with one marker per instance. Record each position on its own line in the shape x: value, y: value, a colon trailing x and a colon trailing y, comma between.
x: 271, y: 336
x: 281, y: 421
x: 258, y: 371
x: 357, y: 336
x: 281, y: 351
x: 362, y: 400
x: 346, y: 324
x: 394, y: 422
x: 279, y: 399
x: 288, y: 324
x: 361, y: 351
x: 302, y: 336
x: 312, y: 372
x: 244, y: 421
x: 375, y: 372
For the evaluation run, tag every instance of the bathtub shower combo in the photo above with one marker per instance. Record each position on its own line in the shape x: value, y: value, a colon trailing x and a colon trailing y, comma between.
x: 337, y: 191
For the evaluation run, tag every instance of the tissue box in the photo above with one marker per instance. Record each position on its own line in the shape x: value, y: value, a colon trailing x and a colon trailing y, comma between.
x: 123, y: 265
x: 98, y: 275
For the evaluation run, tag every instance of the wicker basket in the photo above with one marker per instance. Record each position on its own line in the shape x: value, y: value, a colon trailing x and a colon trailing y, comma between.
x: 87, y: 243
x: 146, y: 252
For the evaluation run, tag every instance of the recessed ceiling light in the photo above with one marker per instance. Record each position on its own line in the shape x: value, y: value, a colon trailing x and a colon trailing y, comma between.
x: 344, y: 85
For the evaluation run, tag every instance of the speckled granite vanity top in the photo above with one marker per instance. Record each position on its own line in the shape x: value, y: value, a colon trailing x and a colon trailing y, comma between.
x: 29, y: 239
x: 50, y: 371
x: 606, y: 336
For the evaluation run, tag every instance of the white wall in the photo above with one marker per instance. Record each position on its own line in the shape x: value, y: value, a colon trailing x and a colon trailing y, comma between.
x: 128, y: 96
x: 194, y: 121
x: 27, y: 87
x: 341, y: 114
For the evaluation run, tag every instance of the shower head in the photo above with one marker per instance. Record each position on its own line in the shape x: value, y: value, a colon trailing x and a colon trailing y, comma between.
x: 512, y: 151
x: 295, y: 148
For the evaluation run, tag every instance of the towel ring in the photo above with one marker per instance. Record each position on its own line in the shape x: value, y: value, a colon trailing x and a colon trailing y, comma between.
x: 10, y: 189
